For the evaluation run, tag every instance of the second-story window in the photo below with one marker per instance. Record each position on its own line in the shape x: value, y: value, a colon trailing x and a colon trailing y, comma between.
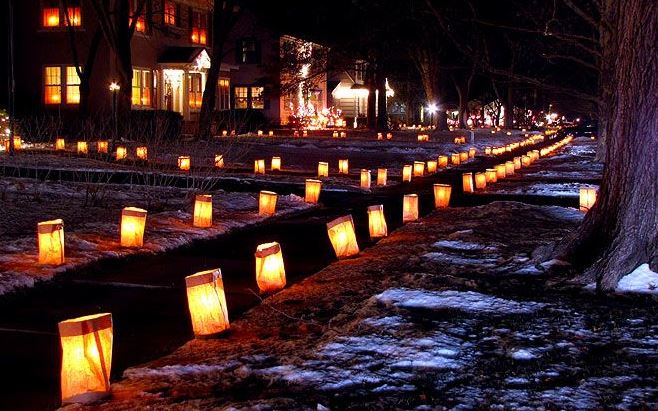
x: 199, y: 27
x: 140, y: 25
x: 248, y: 51
x: 170, y: 15
x: 55, y: 15
x: 50, y: 13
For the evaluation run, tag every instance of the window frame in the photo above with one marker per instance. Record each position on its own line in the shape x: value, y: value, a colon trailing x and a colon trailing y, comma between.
x: 199, y: 27
x: 48, y: 84
x: 249, y: 97
x: 143, y: 82
x: 253, y: 56
x: 170, y: 16
x: 56, y: 8
x: 223, y: 94
x: 194, y: 79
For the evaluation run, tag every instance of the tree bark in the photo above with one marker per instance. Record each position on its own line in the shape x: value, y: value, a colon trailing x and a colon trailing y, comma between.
x: 224, y: 15
x: 382, y: 112
x: 621, y: 230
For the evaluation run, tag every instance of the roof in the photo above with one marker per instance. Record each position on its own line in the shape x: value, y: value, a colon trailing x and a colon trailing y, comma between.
x: 180, y: 54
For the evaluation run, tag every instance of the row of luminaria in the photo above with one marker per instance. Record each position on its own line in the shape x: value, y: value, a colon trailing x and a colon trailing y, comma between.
x: 87, y: 341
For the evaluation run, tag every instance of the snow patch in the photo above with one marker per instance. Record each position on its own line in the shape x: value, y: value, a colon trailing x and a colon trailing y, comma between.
x: 641, y: 280
x: 462, y: 246
x: 466, y: 301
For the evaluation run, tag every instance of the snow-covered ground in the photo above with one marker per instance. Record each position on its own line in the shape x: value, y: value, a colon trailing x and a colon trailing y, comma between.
x: 393, y: 328
x: 91, y: 215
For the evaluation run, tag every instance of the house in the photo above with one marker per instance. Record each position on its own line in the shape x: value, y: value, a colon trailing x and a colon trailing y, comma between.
x: 170, y: 59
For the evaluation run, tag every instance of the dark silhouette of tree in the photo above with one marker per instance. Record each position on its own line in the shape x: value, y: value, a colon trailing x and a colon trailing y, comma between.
x: 225, y: 13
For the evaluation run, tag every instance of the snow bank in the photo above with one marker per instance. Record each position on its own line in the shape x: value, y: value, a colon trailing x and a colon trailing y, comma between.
x: 465, y: 301
x: 641, y: 280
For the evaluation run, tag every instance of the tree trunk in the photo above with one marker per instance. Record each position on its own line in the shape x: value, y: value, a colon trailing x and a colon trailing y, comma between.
x: 372, y: 99
x: 223, y: 17
x: 382, y: 112
x: 621, y: 230
x: 509, y: 108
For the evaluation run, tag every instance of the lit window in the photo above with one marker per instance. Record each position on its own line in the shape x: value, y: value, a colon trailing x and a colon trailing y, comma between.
x: 141, y: 88
x: 170, y: 12
x: 74, y: 16
x: 248, y: 51
x: 199, y: 28
x: 241, y: 97
x: 50, y: 16
x: 257, y: 100
x: 53, y: 85
x: 140, y: 25
x: 72, y: 86
x: 223, y: 94
x: 195, y: 94
x: 137, y: 88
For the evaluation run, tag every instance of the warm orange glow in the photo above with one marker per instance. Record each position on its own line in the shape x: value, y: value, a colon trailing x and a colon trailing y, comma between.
x: 487, y: 151
x: 224, y: 133
x: 60, y: 144
x: 365, y: 179
x: 133, y: 221
x: 82, y: 147
x: 74, y: 16
x: 442, y: 162
x: 431, y: 166
x: 184, y: 163
x: 342, y: 236
x: 102, y: 147
x: 442, y: 195
x: 343, y: 166
x: 467, y: 182
x: 259, y: 166
x: 86, y: 358
x: 334, y: 134
x: 381, y: 176
x: 343, y: 134
x: 389, y: 136
x: 270, y: 271
x: 50, y: 17
x: 305, y: 133
x: 122, y: 153
x: 419, y: 168
x: 423, y: 137
x: 377, y: 222
x: 407, y: 170
x: 525, y: 161
x: 501, y: 171
x: 587, y: 199
x: 267, y: 203
x: 207, y: 303
x: 50, y: 239
x: 380, y: 136
x: 270, y: 133
x: 312, y: 194
x: 480, y: 181
x: 455, y: 159
x: 202, y: 211
x: 471, y: 152
x: 219, y: 161
x: 491, y: 174
x: 410, y: 208
x: 463, y: 156
x: 259, y: 133
x: 142, y: 153
x: 323, y: 169
x: 517, y: 163
x: 509, y: 168
x: 276, y: 163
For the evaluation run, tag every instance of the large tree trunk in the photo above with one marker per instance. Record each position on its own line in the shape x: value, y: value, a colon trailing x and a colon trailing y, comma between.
x: 372, y: 98
x: 224, y: 14
x: 621, y: 230
x: 382, y: 112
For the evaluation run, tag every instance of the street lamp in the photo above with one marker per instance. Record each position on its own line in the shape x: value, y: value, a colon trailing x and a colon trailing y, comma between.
x: 114, y: 89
